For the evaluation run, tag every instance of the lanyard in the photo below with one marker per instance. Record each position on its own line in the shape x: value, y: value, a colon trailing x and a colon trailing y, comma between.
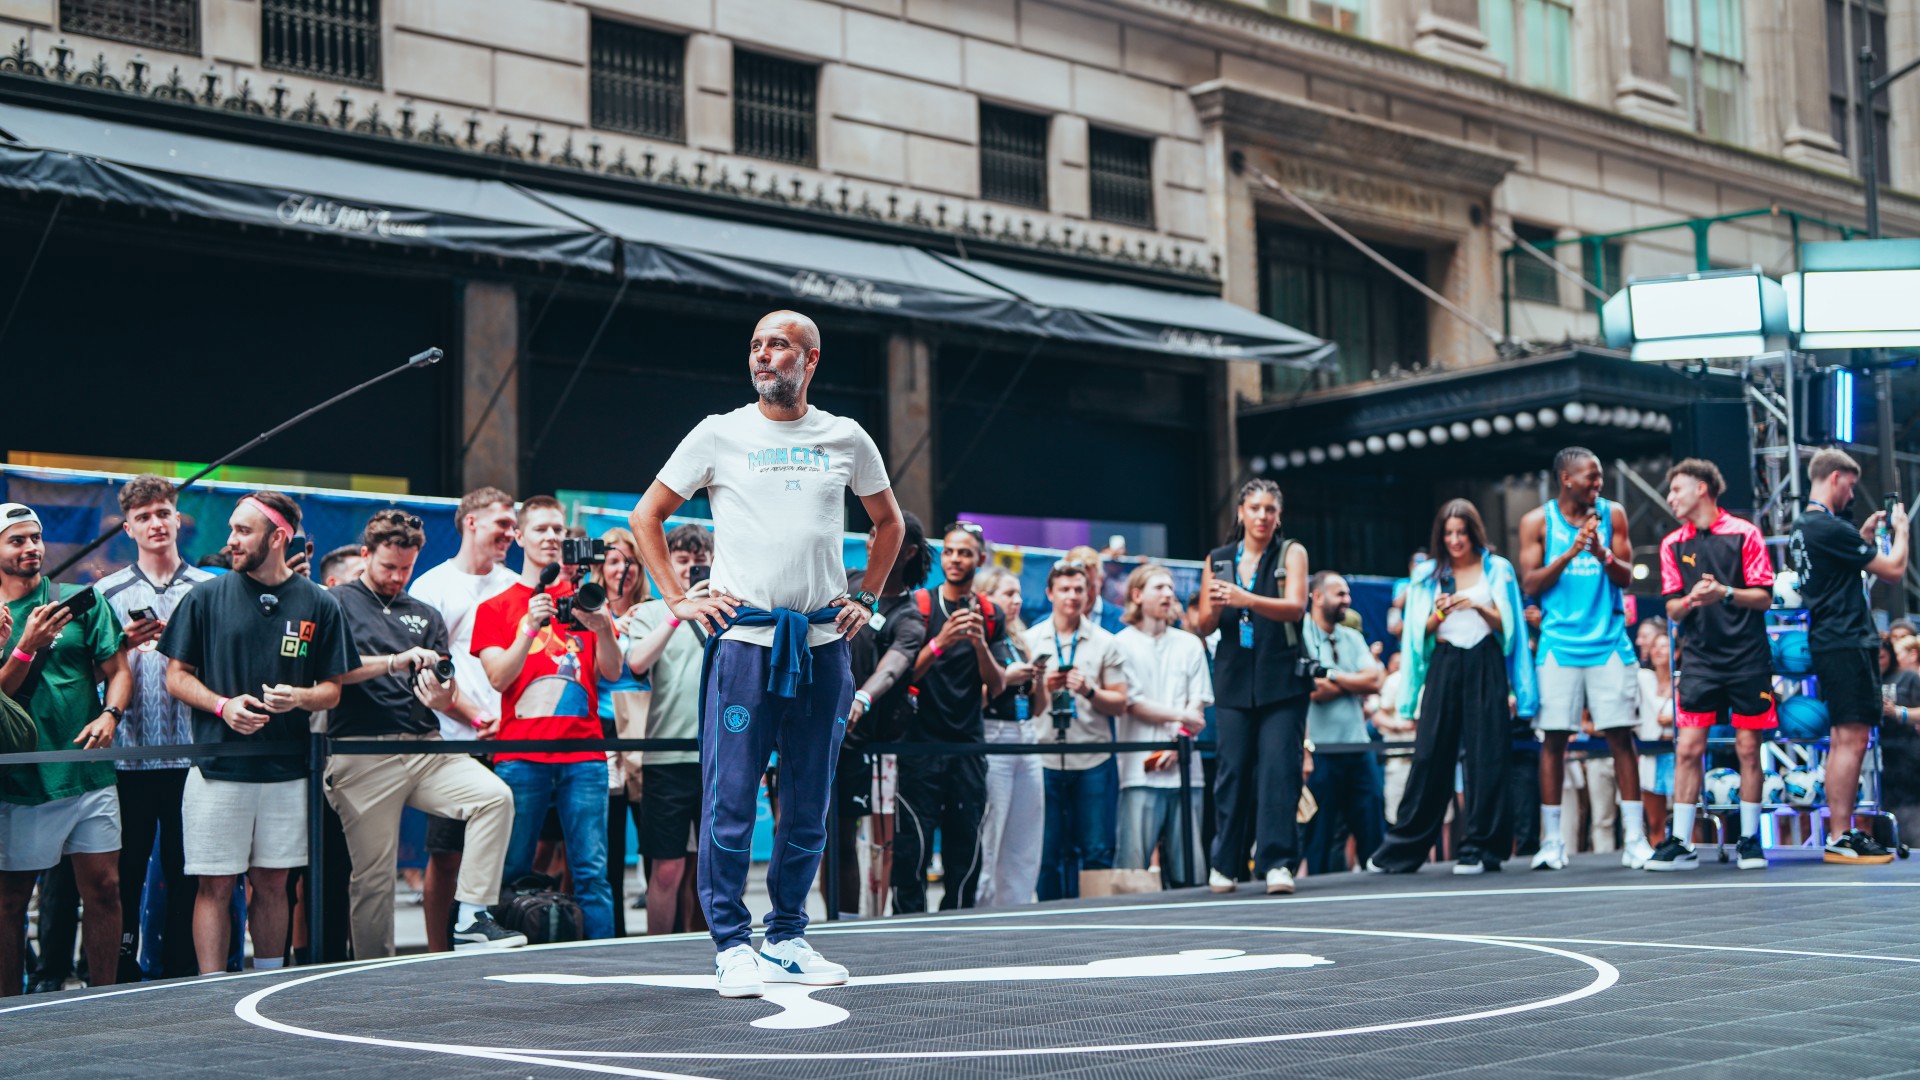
x: 1239, y: 555
x: 1818, y: 503
x: 1066, y: 656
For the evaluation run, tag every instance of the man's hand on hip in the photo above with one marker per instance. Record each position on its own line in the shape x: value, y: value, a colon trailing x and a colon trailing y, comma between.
x: 853, y: 615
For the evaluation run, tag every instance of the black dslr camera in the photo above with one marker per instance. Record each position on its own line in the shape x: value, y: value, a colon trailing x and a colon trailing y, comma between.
x: 1061, y: 709
x: 1306, y: 667
x: 583, y: 551
x: 590, y: 596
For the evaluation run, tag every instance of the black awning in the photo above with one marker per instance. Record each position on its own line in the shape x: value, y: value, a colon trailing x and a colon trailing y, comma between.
x: 222, y: 180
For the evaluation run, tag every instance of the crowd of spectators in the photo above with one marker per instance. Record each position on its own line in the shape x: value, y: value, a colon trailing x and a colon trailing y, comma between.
x: 1268, y: 662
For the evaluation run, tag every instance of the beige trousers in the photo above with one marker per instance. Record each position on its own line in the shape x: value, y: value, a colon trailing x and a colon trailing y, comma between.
x: 368, y: 792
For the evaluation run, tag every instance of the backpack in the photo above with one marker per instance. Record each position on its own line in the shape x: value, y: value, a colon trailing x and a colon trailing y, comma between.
x: 531, y: 906
x: 923, y: 599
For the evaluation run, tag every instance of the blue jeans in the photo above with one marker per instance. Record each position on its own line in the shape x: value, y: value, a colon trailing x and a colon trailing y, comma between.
x: 1149, y: 819
x: 579, y: 790
x: 1079, y: 830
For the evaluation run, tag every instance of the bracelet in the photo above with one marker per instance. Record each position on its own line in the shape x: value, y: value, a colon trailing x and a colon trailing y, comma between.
x: 220, y: 707
x: 528, y: 634
x: 1606, y: 557
x: 673, y: 624
x: 861, y: 696
x: 389, y: 664
x: 23, y: 656
x: 937, y: 650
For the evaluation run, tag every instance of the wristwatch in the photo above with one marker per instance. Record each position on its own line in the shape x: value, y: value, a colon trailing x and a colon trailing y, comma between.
x: 119, y: 713
x: 867, y: 600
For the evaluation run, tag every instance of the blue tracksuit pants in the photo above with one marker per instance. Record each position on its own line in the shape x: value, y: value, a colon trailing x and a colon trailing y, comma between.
x: 742, y: 725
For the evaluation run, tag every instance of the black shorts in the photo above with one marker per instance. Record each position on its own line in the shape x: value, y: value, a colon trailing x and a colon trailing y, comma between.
x: 1705, y: 696
x: 446, y: 834
x: 1850, y: 685
x: 669, y: 806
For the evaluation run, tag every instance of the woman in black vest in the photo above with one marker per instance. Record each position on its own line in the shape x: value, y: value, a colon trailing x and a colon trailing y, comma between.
x: 1254, y: 592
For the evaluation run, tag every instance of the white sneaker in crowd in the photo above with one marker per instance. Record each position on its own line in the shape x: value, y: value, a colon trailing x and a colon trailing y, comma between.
x: 1279, y: 881
x: 1551, y: 856
x: 738, y: 972
x: 1219, y: 882
x: 1636, y: 854
x: 794, y: 961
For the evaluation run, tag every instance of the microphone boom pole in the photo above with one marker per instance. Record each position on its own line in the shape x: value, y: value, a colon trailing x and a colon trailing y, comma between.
x: 423, y: 359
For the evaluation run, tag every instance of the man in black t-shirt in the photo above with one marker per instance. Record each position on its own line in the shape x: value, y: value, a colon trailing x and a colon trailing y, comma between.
x: 252, y: 652
x: 1829, y: 554
x: 954, y: 674
x: 393, y: 695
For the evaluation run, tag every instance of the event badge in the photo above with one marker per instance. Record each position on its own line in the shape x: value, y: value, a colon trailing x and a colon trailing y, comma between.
x: 1022, y: 708
x: 1246, y: 632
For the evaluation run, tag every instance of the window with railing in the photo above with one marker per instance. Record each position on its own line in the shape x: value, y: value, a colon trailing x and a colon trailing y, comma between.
x: 1120, y: 178
x: 774, y: 108
x: 1013, y: 156
x: 1534, y: 38
x: 336, y: 40
x: 173, y: 25
x: 1532, y: 279
x: 1708, y: 68
x: 639, y: 80
x: 1846, y: 35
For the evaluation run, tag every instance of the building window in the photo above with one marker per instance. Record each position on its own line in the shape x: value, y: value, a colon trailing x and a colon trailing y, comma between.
x: 1844, y: 39
x: 1316, y: 282
x: 1534, y: 38
x: 639, y: 81
x: 1120, y: 173
x: 1013, y: 157
x: 1602, y: 265
x: 1707, y: 68
x: 173, y: 25
x: 774, y: 108
x: 1341, y: 15
x: 1532, y: 279
x: 336, y: 40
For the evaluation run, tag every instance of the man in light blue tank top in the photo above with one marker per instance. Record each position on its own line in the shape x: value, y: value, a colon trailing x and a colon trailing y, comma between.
x: 1575, y: 556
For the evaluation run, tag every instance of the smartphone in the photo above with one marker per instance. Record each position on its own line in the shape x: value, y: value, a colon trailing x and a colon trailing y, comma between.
x: 698, y: 573
x: 81, y: 602
x: 1223, y: 569
x: 1892, y: 500
x: 144, y: 614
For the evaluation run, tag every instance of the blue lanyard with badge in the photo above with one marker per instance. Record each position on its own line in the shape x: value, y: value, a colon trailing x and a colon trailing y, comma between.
x: 1022, y: 708
x: 1246, y: 614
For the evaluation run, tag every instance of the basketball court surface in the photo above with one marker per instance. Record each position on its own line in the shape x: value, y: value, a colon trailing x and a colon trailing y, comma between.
x: 1801, y: 970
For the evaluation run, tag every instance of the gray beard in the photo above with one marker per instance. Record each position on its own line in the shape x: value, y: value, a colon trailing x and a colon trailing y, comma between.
x: 783, y: 394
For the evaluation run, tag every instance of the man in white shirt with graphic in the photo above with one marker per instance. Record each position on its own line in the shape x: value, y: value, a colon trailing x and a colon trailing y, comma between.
x: 777, y: 670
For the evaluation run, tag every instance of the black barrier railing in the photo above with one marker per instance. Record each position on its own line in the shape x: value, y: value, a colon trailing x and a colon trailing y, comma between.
x: 320, y: 747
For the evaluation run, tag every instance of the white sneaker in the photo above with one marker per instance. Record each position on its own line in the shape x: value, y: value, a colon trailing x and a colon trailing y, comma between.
x: 1219, y: 882
x: 794, y: 961
x: 1279, y: 881
x: 1469, y: 867
x: 1374, y: 867
x: 738, y: 973
x: 1637, y: 852
x: 1551, y: 856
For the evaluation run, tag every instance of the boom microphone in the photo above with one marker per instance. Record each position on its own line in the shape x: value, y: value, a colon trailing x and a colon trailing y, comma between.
x: 548, y: 576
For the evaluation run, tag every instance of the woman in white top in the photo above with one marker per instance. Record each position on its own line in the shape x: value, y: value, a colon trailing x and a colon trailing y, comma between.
x: 1466, y: 650
x: 1656, y: 725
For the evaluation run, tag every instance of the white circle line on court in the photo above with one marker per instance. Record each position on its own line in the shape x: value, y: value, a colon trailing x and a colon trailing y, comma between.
x: 1605, y: 976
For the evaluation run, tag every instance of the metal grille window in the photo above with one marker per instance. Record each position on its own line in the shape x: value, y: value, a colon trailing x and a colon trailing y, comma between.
x: 1850, y: 25
x: 173, y: 25
x: 1533, y: 279
x: 336, y: 40
x: 1316, y: 282
x: 774, y: 108
x: 1120, y: 172
x: 1013, y: 157
x: 639, y: 81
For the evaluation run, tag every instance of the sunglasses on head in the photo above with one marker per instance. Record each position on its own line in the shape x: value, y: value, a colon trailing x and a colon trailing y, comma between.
x: 401, y: 517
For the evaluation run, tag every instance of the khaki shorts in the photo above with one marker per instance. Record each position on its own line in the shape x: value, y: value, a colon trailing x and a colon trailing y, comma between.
x: 35, y: 837
x: 231, y: 826
x: 1609, y: 692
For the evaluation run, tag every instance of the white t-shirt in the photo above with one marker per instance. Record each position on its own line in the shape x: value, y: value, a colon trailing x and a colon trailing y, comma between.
x: 778, y: 512
x: 1463, y: 627
x: 456, y: 594
x: 1169, y: 671
x: 1656, y: 712
x: 1092, y: 652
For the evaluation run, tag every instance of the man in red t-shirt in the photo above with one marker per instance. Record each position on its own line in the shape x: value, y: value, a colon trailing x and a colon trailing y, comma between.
x: 546, y: 672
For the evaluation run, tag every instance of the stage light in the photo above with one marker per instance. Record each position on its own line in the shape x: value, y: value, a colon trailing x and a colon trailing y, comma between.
x: 1396, y: 442
x: 1337, y: 452
x: 1598, y: 415
x: 1258, y: 465
x: 1481, y: 429
x: 1574, y: 412
x: 1297, y: 458
x: 1856, y: 294
x: 1524, y: 421
x: 1278, y: 462
x: 1416, y: 438
x: 1720, y: 313
x: 1502, y: 425
x: 1356, y: 448
x: 1376, y: 445
x: 1316, y: 455
x: 1625, y: 417
x: 1640, y: 571
x: 1460, y: 431
x: 1437, y: 435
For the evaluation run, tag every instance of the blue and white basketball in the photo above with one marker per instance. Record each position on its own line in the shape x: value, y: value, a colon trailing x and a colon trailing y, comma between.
x: 1722, y: 787
x: 1773, y: 789
x: 1803, y: 718
x: 1786, y: 590
x: 1804, y: 787
x: 1792, y: 655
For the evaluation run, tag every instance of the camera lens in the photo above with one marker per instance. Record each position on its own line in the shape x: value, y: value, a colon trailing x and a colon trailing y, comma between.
x: 591, y: 597
x: 443, y: 669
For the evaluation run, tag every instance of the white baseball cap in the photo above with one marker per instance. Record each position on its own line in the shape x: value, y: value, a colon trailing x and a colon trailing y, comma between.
x: 13, y: 513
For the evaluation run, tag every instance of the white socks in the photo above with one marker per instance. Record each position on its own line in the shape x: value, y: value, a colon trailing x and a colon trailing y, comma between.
x: 1633, y: 820
x: 1683, y: 823
x: 1749, y: 818
x: 468, y: 912
x: 262, y: 963
x: 1549, y: 823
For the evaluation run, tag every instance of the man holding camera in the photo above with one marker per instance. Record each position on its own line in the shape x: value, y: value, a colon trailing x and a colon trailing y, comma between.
x: 253, y: 653
x: 405, y: 677
x: 955, y: 673
x: 1084, y: 688
x: 545, y: 653
x: 61, y: 649
x: 778, y: 673
x: 1830, y: 554
x: 1345, y: 783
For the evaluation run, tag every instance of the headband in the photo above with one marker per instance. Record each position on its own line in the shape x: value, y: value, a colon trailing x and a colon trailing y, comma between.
x: 269, y: 513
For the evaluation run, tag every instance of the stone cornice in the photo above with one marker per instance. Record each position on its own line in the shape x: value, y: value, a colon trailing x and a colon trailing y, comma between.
x: 1231, y: 25
x: 1359, y: 142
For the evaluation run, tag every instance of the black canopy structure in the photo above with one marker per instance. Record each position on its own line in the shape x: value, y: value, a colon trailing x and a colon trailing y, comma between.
x: 50, y: 152
x: 222, y: 180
